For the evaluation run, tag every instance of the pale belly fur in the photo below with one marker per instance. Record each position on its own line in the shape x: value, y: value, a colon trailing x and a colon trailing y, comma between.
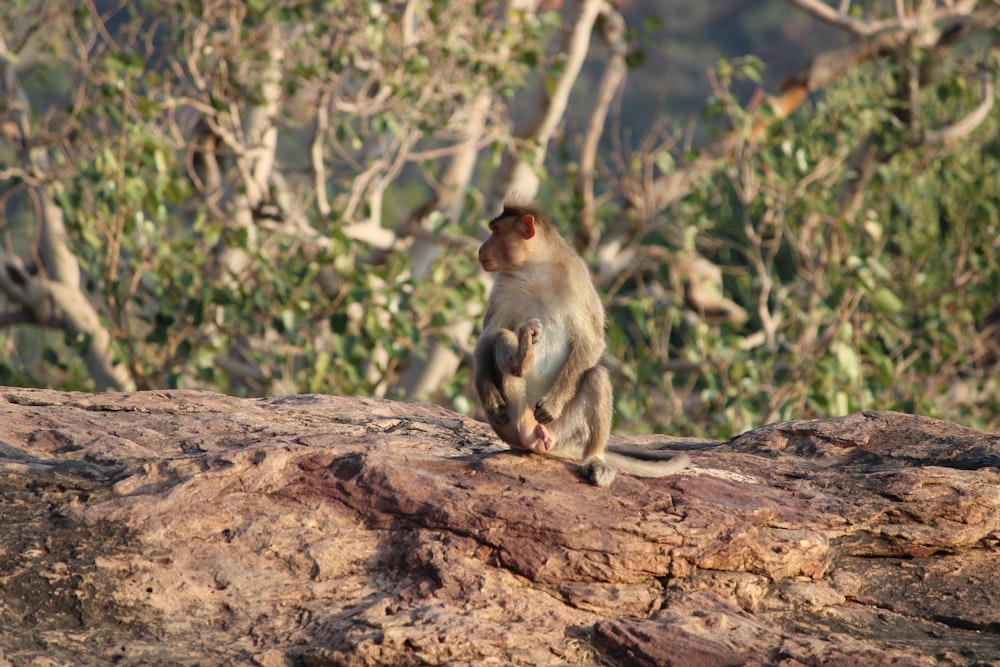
x: 551, y: 353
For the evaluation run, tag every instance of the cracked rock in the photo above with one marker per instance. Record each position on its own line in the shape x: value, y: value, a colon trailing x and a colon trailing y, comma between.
x: 182, y: 528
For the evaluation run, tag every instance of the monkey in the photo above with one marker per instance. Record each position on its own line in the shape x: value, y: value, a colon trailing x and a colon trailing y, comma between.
x: 537, y: 362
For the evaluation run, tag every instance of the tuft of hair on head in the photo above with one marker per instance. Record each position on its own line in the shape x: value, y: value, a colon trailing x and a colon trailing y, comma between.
x: 514, y: 205
x: 515, y: 199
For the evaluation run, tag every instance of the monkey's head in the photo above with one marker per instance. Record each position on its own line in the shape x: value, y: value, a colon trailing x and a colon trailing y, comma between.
x: 513, y: 239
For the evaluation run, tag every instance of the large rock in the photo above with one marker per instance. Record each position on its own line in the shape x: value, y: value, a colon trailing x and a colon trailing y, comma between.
x: 181, y: 528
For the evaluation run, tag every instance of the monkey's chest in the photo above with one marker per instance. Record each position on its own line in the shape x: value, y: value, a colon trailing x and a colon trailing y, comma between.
x: 551, y: 352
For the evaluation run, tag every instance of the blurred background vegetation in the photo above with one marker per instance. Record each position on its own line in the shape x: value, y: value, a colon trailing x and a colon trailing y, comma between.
x: 790, y: 206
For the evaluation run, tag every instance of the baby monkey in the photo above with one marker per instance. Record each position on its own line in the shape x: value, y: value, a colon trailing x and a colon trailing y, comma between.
x: 538, y: 371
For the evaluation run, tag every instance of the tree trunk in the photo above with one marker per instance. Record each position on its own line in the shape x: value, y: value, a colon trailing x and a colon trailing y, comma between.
x: 516, y: 174
x: 50, y: 295
x: 424, y: 376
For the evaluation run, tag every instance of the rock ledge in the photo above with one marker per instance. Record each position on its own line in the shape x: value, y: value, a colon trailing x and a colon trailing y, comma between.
x: 181, y: 528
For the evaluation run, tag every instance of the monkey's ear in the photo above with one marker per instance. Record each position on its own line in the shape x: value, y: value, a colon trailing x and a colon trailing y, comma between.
x: 527, y: 226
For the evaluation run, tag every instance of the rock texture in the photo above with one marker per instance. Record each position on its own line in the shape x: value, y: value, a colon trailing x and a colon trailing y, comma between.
x: 183, y: 528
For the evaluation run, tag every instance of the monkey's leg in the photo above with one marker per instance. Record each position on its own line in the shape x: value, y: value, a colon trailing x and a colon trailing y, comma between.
x: 489, y: 382
x: 528, y: 334
x: 506, y: 353
x: 594, y: 404
x: 500, y: 358
x: 514, y: 357
x: 534, y: 436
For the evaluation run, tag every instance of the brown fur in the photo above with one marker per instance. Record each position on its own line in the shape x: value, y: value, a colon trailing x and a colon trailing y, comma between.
x: 538, y: 369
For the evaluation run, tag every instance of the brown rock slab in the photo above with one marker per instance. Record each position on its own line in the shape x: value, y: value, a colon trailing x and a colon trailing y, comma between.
x: 182, y: 528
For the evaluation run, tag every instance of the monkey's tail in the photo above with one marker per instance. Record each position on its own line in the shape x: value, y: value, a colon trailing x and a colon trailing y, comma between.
x: 637, y: 467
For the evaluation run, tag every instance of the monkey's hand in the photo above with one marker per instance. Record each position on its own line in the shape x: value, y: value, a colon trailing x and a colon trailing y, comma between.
x: 546, y: 410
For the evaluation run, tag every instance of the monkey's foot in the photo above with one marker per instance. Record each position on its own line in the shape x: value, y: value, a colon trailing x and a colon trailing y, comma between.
x: 528, y: 334
x: 598, y: 472
x: 537, y: 439
x: 530, y: 331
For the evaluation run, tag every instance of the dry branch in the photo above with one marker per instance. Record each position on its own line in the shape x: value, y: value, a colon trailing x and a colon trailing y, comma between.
x: 51, y: 296
x: 823, y: 71
x: 58, y: 305
x: 963, y: 128
x: 611, y: 27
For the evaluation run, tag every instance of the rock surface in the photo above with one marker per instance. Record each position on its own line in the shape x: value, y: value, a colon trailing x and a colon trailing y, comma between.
x: 182, y: 528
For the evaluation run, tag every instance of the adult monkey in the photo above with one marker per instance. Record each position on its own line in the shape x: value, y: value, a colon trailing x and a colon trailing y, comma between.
x: 538, y: 371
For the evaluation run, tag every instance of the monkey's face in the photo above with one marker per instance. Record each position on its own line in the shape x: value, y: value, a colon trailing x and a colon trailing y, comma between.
x: 509, y: 245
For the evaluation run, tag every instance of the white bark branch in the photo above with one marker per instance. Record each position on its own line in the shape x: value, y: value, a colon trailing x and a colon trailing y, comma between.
x: 316, y: 155
x: 868, y: 27
x: 54, y: 304
x: 518, y: 172
x: 424, y: 376
x: 52, y: 297
x: 963, y: 128
x: 612, y: 30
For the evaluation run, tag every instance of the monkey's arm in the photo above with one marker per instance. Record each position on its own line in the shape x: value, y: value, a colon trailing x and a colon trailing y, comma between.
x: 585, y: 321
x: 585, y: 353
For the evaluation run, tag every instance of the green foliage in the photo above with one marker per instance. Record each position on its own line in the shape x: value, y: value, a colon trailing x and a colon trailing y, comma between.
x: 864, y: 288
x: 861, y: 298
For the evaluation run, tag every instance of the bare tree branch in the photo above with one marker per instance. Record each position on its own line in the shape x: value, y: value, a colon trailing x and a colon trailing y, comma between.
x: 11, y: 318
x: 53, y: 297
x: 869, y: 27
x: 824, y: 70
x: 54, y: 304
x: 840, y: 19
x: 611, y: 27
x: 963, y: 128
x: 316, y: 154
x: 517, y: 171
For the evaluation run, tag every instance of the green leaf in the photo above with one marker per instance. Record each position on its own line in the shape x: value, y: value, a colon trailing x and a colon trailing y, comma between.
x: 885, y: 300
x: 665, y: 162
